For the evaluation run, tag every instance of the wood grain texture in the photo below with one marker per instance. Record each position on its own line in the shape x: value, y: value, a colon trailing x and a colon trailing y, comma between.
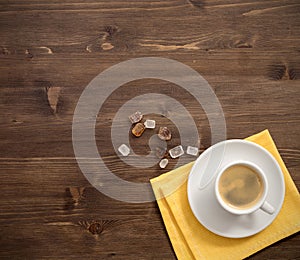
x: 50, y: 50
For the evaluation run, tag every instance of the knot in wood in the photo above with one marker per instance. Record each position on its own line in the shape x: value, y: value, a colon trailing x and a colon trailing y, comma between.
x: 95, y: 228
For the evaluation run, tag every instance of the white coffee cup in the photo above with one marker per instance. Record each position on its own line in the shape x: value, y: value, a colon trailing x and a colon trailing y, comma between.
x: 259, y: 203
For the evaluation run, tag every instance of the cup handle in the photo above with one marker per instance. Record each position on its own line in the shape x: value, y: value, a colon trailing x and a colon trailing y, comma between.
x: 268, y: 208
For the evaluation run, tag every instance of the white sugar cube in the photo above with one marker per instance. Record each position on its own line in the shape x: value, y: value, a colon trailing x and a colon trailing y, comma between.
x: 191, y: 150
x: 124, y: 150
x: 176, y: 151
x: 163, y: 163
x: 149, y: 124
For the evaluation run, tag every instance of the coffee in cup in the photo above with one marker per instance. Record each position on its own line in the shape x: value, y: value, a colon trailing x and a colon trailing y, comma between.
x: 241, y: 188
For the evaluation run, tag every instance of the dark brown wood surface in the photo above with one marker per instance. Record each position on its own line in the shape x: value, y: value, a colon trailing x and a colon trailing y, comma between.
x: 50, y: 50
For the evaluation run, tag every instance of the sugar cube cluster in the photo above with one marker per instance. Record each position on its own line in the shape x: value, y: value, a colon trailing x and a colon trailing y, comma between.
x: 164, y: 133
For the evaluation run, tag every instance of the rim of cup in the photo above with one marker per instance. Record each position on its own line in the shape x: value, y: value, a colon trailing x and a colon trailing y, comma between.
x: 262, y: 199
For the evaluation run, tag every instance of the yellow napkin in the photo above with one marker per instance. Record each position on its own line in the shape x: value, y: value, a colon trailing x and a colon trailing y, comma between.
x: 191, y: 240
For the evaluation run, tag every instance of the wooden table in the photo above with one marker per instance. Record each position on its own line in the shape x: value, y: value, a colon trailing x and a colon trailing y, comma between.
x: 249, y: 52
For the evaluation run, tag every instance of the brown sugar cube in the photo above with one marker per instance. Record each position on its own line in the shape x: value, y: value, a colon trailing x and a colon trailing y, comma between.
x: 138, y: 129
x: 136, y: 117
x: 164, y: 133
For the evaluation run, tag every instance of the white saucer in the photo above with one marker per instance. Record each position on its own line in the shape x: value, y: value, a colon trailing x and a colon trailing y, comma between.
x: 202, y: 198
